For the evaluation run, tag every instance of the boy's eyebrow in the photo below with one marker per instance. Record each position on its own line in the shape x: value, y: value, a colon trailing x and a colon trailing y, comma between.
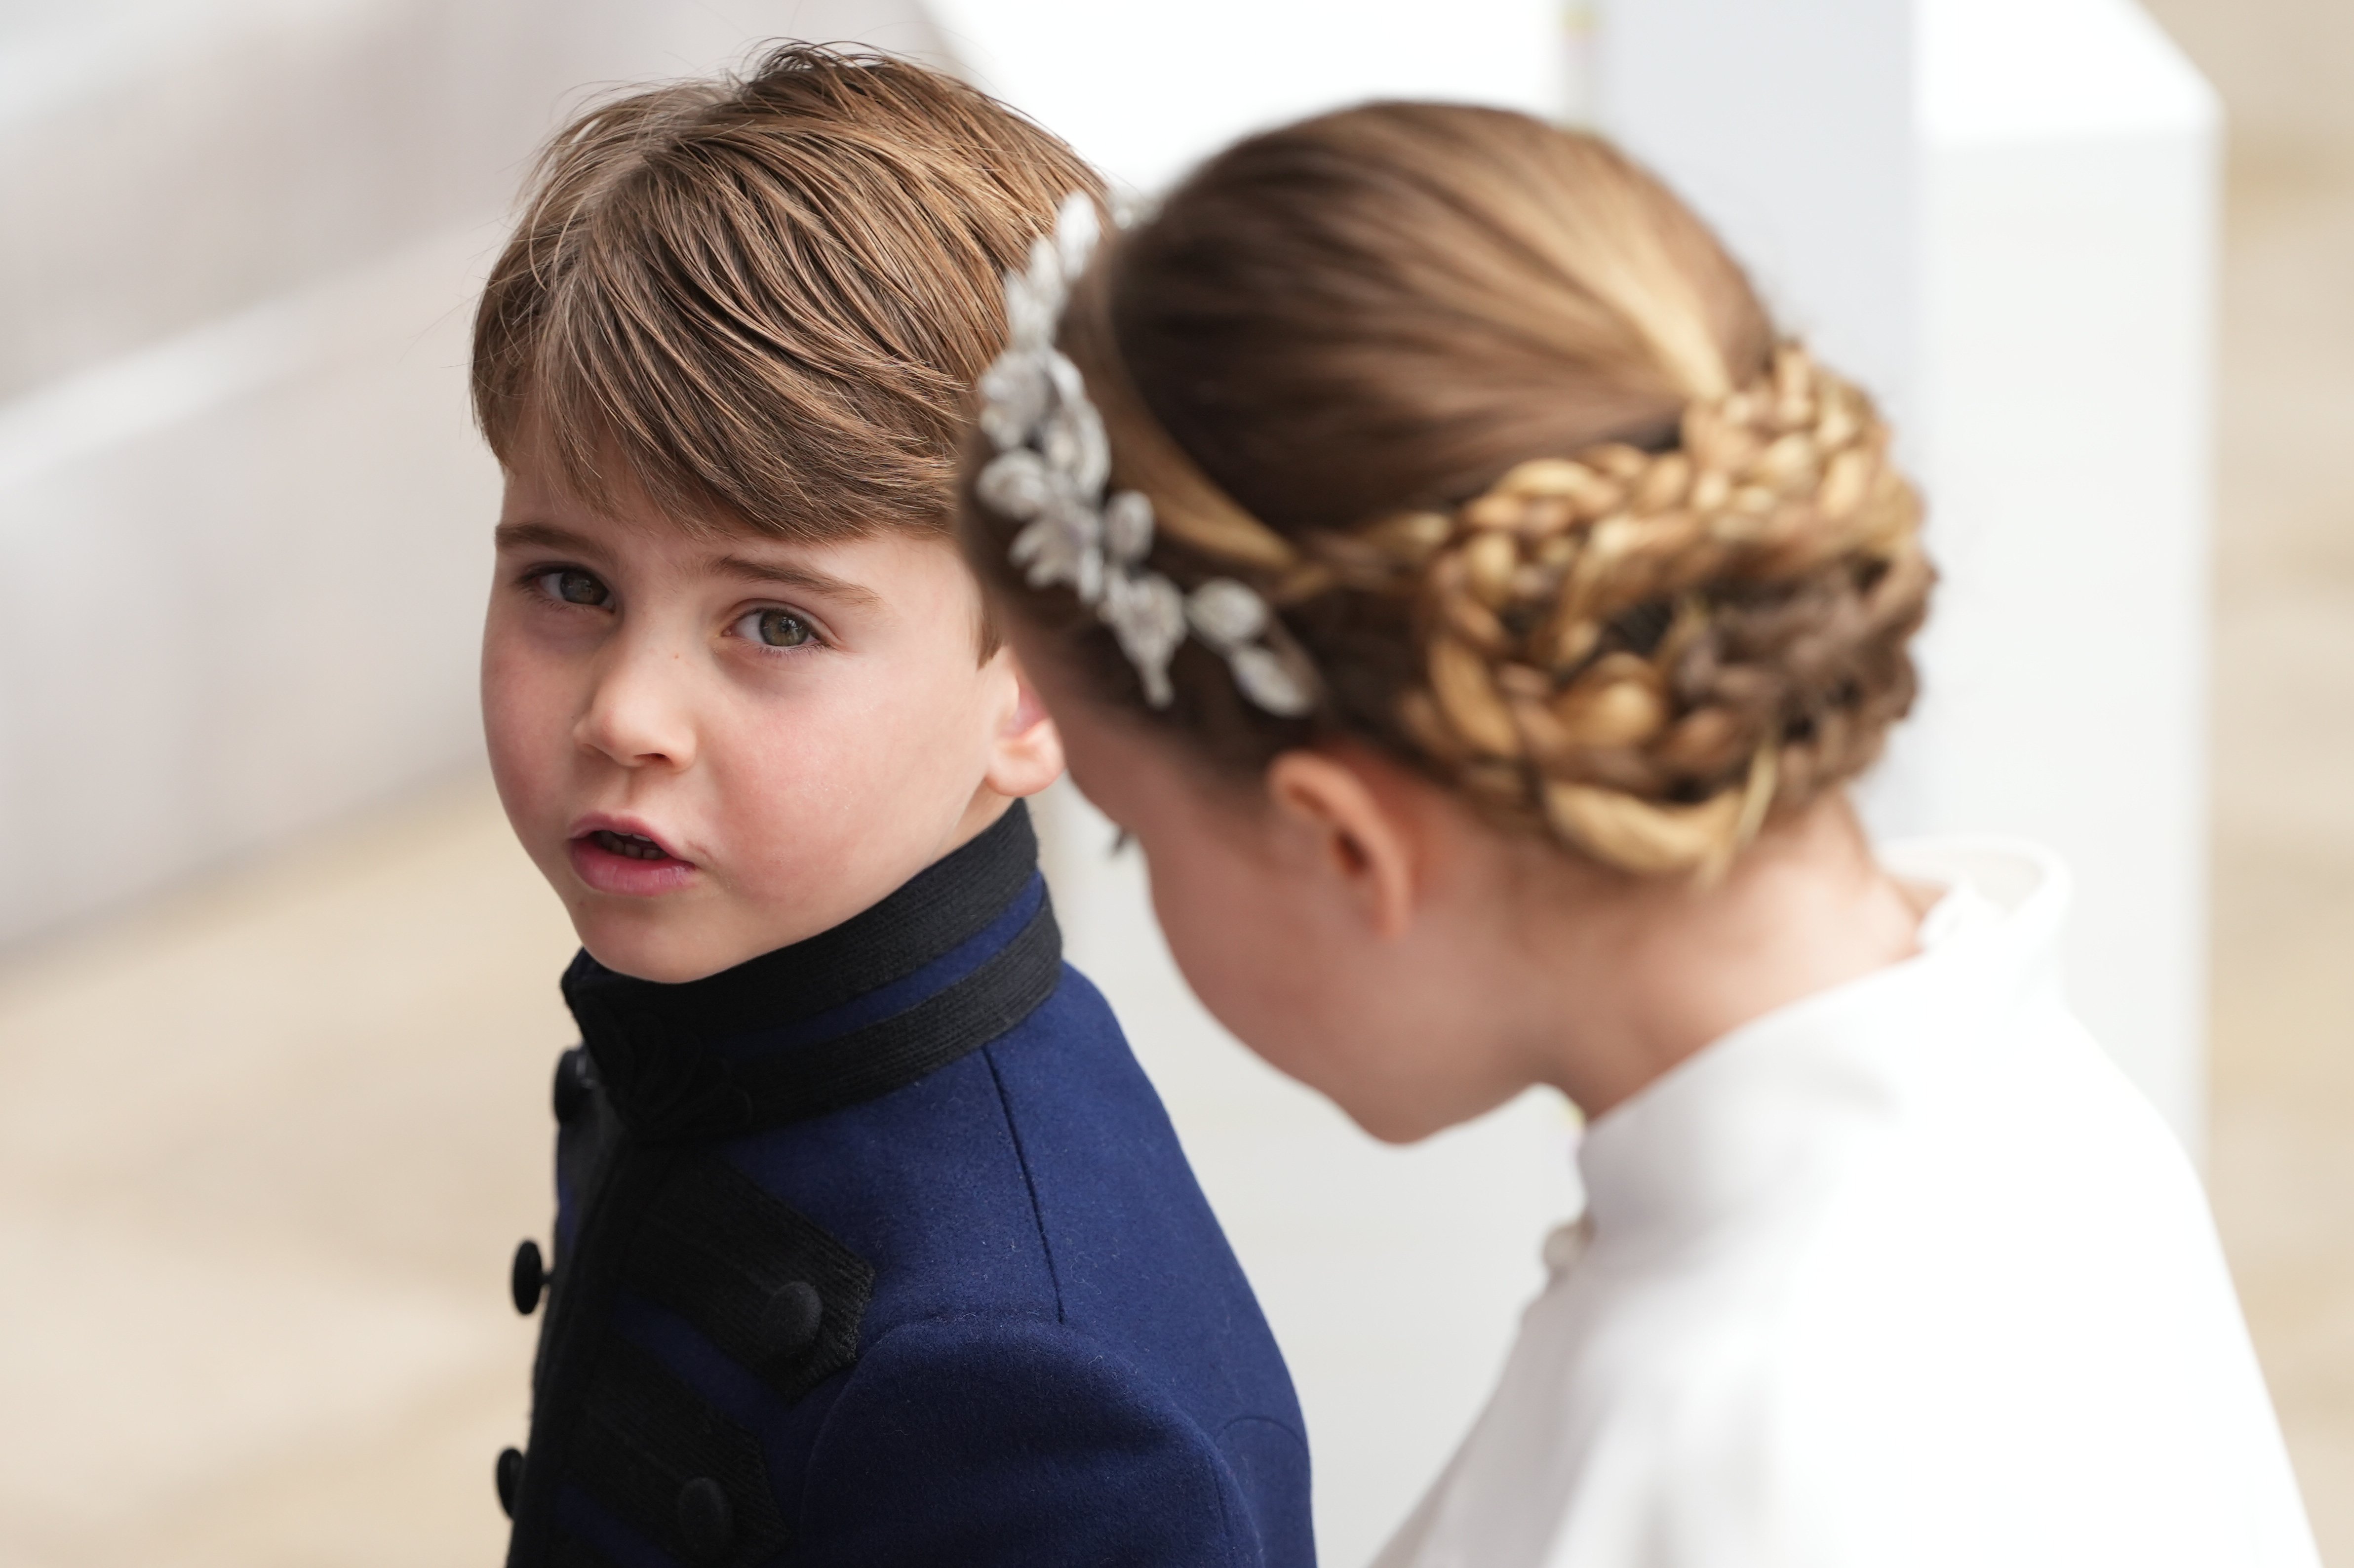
x: 539, y: 536
x: 749, y: 571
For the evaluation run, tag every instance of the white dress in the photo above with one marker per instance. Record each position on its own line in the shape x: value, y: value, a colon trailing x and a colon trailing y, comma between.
x: 1905, y: 1273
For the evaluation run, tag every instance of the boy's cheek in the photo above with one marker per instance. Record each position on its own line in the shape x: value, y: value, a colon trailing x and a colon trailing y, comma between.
x: 812, y: 782
x: 861, y: 786
x: 899, y: 728
x: 524, y: 731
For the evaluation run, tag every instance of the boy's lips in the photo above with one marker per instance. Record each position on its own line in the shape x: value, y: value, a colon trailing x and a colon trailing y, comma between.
x: 636, y: 847
x: 615, y: 854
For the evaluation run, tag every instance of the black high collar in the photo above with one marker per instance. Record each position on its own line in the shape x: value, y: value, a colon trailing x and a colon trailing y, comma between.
x: 753, y: 1046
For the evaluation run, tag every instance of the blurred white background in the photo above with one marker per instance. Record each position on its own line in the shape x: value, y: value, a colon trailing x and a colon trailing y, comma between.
x: 278, y: 1002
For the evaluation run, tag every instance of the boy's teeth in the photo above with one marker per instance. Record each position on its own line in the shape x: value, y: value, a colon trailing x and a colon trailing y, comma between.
x: 629, y: 844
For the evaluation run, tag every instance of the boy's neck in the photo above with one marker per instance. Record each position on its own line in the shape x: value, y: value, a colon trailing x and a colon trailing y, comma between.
x: 986, y: 809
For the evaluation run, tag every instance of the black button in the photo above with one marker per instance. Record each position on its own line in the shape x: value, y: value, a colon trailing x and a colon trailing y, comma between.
x: 529, y: 1277
x: 509, y: 1475
x: 790, y: 1323
x: 576, y: 1077
x: 705, y: 1520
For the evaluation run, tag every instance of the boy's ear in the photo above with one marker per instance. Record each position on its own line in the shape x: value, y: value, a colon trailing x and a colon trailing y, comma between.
x: 1026, y: 753
x: 1354, y: 835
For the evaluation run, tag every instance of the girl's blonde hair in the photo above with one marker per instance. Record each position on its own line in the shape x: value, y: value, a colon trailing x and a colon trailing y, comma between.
x: 1508, y: 440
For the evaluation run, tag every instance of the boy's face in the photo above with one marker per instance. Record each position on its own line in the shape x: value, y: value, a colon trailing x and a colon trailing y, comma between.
x: 715, y: 746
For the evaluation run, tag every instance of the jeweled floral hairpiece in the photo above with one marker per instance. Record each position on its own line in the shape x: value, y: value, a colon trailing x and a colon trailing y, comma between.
x: 1052, y: 473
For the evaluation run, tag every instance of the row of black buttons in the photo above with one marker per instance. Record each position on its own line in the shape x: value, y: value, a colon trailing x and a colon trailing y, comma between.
x: 707, y: 1520
x: 527, y: 1276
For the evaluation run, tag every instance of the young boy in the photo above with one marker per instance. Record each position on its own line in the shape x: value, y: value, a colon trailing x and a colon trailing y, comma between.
x: 873, y: 1244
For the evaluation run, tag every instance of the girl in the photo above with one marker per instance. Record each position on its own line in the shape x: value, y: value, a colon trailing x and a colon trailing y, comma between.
x: 1436, y: 560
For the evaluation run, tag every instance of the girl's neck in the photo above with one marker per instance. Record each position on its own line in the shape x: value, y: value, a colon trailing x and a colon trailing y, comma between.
x: 1632, y: 985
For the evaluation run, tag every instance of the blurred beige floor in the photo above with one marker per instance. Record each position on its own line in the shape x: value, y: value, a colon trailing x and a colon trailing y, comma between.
x: 265, y: 1148
x: 264, y: 1153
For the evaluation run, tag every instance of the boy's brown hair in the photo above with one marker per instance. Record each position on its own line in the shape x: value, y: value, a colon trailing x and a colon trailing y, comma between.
x: 764, y: 298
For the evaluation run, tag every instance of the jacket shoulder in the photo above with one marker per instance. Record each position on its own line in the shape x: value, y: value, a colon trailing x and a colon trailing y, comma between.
x: 1054, y: 1448
x: 1137, y: 1254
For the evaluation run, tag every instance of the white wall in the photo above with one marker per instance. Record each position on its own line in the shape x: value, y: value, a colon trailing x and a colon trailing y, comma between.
x: 2000, y: 214
x: 1145, y: 91
x: 1789, y: 125
x: 238, y: 578
x: 2069, y: 231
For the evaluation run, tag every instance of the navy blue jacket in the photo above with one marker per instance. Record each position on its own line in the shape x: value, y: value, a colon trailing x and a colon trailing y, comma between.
x: 879, y: 1249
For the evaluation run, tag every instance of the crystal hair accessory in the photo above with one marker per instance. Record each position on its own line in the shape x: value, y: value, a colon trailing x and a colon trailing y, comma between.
x: 1052, y: 471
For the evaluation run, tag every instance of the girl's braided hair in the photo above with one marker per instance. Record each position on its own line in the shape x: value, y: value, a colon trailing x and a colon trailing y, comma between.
x: 1508, y: 440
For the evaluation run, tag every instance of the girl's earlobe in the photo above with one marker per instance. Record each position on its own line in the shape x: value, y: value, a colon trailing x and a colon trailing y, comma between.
x: 1358, y: 838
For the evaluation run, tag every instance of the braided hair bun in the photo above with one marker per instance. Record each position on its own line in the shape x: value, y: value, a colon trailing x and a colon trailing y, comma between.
x: 1507, y: 440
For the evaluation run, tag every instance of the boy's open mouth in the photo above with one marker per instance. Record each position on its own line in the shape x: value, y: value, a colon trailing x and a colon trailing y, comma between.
x: 631, y: 865
x: 629, y: 844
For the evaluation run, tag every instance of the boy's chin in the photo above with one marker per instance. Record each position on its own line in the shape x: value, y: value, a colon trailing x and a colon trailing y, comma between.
x: 670, y: 948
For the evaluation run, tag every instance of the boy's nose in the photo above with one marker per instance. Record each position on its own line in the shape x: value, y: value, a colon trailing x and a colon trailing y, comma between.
x: 639, y: 714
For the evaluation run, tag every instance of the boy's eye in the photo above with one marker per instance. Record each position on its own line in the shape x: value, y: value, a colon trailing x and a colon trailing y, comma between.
x: 571, y: 585
x: 777, y: 628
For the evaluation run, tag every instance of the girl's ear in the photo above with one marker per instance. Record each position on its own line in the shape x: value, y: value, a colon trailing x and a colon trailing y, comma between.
x: 1026, y: 752
x: 1351, y: 833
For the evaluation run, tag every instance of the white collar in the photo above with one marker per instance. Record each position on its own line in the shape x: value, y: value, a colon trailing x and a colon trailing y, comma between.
x: 1789, y: 1095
